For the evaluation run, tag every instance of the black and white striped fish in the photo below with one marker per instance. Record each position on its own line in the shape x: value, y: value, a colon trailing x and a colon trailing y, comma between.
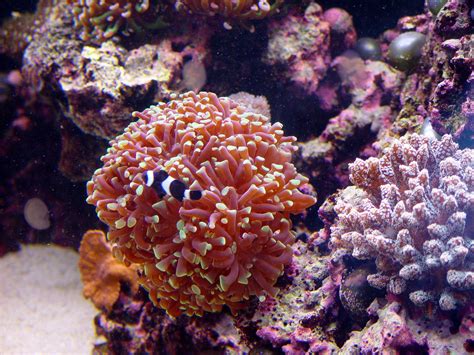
x: 166, y: 185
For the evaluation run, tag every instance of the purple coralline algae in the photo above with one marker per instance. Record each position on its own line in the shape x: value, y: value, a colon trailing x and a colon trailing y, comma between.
x: 393, y: 331
x: 371, y: 87
x: 441, y: 87
x: 415, y: 220
x: 303, y: 314
x: 298, y: 48
x: 343, y: 33
x: 136, y: 326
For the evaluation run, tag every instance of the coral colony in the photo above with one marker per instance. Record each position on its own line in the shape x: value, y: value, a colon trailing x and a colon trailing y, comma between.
x: 103, y: 19
x: 242, y: 9
x: 230, y: 244
x: 413, y: 220
x: 207, y: 236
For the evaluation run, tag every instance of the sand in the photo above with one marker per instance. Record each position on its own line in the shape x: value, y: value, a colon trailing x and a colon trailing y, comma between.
x: 42, y: 309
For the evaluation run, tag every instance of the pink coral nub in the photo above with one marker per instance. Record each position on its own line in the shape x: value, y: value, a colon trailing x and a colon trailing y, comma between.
x: 231, y: 244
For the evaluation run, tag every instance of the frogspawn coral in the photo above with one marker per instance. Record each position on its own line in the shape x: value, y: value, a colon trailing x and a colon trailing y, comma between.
x: 239, y: 9
x: 413, y: 216
x: 102, y: 19
x: 232, y: 243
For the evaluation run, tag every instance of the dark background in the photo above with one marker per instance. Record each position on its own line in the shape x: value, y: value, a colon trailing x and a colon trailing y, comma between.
x: 7, y: 6
x: 372, y: 17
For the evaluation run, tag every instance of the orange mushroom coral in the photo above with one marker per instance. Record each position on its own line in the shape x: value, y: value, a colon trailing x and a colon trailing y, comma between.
x: 101, y: 273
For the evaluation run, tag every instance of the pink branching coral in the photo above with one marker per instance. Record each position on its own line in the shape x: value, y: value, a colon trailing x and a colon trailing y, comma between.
x: 238, y: 9
x: 414, y: 217
x: 102, y: 19
x: 198, y: 255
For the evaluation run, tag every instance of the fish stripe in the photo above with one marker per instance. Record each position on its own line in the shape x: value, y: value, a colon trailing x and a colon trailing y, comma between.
x: 164, y: 184
x: 177, y: 189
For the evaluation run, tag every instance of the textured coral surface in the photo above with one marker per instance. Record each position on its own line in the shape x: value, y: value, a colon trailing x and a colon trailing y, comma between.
x: 232, y: 243
x: 109, y: 77
x: 441, y: 86
x: 297, y: 318
x: 415, y: 220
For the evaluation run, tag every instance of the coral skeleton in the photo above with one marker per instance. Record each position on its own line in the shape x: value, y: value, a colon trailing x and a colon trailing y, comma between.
x: 415, y: 220
x: 231, y: 244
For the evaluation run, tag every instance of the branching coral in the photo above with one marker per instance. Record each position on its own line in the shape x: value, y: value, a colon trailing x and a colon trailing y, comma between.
x: 415, y: 220
x: 102, y: 19
x: 101, y: 273
x: 240, y: 9
x: 198, y: 255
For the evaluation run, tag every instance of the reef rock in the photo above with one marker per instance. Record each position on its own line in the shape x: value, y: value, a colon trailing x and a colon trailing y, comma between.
x: 101, y: 86
x: 298, y: 48
x: 108, y: 78
x: 441, y: 87
x: 393, y: 331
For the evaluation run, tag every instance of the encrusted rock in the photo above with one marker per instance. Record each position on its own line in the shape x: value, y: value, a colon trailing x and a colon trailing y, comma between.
x: 299, y: 45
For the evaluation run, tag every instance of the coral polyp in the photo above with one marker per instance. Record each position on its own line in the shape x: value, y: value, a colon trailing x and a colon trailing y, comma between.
x: 240, y: 9
x: 102, y: 19
x: 229, y: 245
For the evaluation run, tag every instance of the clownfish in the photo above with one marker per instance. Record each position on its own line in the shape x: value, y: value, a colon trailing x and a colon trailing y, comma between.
x: 166, y: 185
